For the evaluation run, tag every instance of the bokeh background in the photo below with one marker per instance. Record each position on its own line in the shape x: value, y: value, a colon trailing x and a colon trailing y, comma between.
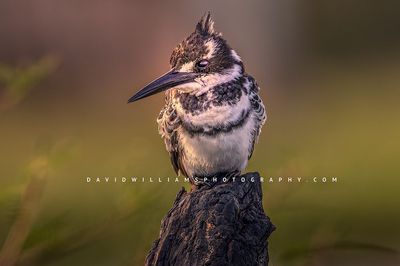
x: 329, y: 72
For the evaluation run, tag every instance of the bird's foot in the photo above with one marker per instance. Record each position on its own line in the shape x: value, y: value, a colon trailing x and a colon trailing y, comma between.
x: 213, y: 180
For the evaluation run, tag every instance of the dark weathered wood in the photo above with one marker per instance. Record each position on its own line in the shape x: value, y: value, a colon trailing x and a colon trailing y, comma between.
x: 220, y: 225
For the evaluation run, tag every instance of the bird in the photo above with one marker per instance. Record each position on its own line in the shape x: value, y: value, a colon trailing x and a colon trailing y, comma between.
x: 213, y: 112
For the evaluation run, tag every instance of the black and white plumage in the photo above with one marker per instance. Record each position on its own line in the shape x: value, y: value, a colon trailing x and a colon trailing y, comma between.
x: 213, y: 113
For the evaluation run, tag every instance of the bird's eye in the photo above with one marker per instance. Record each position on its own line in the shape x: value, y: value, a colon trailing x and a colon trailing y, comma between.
x: 202, y: 64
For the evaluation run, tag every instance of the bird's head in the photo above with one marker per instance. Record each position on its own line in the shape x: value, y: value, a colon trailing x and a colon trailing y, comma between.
x: 202, y: 61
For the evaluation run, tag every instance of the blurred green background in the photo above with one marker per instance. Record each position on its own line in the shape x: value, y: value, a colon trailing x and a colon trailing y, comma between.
x: 329, y: 72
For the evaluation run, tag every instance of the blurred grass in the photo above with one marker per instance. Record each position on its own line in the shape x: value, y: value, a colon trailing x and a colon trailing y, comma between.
x: 345, y: 125
x: 17, y: 82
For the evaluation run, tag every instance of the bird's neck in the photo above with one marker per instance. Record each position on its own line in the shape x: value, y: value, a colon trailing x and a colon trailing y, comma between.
x: 226, y: 103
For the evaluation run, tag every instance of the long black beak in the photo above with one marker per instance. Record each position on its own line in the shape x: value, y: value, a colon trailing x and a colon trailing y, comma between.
x: 166, y: 81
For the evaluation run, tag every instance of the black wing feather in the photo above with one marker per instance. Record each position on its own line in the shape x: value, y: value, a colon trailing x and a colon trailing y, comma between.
x: 168, y: 124
x: 258, y: 111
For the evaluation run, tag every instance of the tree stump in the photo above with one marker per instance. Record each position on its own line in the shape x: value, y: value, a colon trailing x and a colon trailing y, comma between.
x: 220, y: 225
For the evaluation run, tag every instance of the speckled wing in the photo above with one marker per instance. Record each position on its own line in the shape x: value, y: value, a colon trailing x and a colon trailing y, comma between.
x: 258, y: 111
x: 168, y: 123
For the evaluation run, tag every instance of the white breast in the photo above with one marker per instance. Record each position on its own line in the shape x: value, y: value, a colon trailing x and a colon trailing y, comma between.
x: 205, y: 155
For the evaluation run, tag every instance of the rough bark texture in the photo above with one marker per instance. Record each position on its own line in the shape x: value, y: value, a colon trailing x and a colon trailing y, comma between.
x: 220, y: 225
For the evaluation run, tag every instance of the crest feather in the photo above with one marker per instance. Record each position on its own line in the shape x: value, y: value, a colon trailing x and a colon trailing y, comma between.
x: 206, y: 25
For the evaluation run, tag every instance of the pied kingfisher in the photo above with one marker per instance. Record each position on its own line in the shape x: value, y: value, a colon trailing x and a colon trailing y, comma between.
x: 213, y: 114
